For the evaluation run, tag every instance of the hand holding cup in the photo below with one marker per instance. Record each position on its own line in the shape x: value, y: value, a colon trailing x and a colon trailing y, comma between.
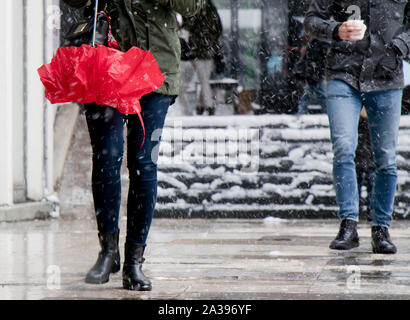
x: 352, y: 30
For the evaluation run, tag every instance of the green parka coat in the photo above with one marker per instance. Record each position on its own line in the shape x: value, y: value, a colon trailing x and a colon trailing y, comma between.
x: 150, y: 25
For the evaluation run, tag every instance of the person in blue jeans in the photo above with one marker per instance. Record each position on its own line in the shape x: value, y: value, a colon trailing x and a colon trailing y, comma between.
x: 363, y: 71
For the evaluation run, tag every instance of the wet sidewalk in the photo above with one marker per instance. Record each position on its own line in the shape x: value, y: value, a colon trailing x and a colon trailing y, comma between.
x: 206, y: 259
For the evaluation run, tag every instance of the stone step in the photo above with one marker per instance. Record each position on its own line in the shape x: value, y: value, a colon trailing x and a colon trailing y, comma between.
x: 289, y: 175
x: 187, y: 210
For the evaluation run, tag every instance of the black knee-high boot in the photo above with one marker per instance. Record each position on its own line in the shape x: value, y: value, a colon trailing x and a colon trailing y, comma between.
x: 132, y: 276
x: 108, y: 260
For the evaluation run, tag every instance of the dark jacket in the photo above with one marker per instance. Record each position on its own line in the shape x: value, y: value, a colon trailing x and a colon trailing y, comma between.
x: 150, y: 23
x: 371, y: 64
x: 204, y: 28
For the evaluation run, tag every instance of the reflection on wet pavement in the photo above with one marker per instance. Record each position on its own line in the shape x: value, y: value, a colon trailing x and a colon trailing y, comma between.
x: 206, y: 259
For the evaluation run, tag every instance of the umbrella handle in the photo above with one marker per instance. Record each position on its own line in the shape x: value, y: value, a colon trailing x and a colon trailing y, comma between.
x: 95, y: 21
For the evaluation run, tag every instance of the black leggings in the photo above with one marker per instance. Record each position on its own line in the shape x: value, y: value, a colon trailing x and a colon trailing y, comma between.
x: 106, y: 128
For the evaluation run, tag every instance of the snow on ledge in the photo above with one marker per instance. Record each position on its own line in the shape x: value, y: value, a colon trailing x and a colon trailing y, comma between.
x: 291, y: 121
x: 247, y: 121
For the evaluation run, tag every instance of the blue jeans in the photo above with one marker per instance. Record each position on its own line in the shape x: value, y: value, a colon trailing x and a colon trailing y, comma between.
x: 316, y: 90
x: 344, y: 104
x: 106, y: 128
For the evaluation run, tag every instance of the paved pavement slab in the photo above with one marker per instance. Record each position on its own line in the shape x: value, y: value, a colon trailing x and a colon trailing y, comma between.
x: 190, y: 259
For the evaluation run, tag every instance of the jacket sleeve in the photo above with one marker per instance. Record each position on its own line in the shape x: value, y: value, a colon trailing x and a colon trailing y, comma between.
x: 402, y: 41
x: 317, y: 21
x: 75, y: 3
x: 186, y: 8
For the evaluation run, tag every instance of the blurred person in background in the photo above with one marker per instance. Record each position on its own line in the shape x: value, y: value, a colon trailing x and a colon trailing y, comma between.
x: 314, y: 62
x: 364, y: 163
x: 201, y: 42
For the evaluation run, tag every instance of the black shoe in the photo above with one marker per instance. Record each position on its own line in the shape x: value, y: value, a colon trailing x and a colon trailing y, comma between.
x: 381, y: 242
x: 132, y: 276
x: 347, y: 238
x: 108, y: 260
x: 211, y: 111
x: 200, y: 110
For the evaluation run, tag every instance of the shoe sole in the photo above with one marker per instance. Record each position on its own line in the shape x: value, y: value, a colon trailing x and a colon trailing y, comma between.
x: 97, y: 281
x: 380, y: 251
x: 115, y: 268
x: 128, y: 284
x: 335, y: 247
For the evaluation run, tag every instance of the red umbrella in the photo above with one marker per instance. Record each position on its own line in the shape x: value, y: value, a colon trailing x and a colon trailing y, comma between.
x: 102, y: 75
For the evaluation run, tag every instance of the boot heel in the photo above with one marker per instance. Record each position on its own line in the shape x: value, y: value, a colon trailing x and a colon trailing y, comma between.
x: 128, y: 284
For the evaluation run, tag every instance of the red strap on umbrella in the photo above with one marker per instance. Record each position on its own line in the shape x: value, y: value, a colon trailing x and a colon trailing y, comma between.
x: 112, y: 43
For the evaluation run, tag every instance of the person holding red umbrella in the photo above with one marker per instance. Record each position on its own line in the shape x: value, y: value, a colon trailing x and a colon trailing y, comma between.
x: 149, y: 25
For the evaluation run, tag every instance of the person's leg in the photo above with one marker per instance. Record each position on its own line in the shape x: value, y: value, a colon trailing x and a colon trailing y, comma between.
x: 343, y: 107
x: 320, y: 93
x: 304, y: 100
x: 187, y: 74
x: 106, y: 129
x: 359, y: 175
x: 105, y: 126
x: 384, y: 110
x: 142, y: 195
x: 142, y: 164
x: 203, y: 70
x: 370, y: 178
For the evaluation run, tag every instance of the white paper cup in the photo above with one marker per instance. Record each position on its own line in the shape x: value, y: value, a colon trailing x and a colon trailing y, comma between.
x: 358, y: 23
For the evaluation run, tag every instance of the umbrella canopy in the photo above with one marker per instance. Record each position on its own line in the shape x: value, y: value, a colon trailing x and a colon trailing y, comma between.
x: 102, y: 75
